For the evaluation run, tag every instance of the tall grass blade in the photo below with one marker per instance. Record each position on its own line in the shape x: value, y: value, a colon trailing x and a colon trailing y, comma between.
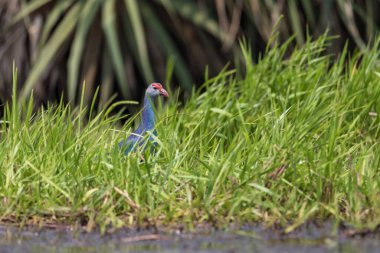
x: 295, y: 21
x: 109, y: 28
x: 87, y: 15
x: 139, y: 37
x: 28, y: 9
x: 46, y: 56
x: 51, y: 20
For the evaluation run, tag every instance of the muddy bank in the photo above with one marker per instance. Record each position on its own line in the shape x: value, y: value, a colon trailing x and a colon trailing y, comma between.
x: 308, y: 238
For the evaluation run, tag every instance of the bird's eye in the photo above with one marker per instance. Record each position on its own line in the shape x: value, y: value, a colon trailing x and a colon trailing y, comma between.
x: 155, y: 88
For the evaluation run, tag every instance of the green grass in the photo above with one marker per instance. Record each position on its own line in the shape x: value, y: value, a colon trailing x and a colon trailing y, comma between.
x: 293, y: 139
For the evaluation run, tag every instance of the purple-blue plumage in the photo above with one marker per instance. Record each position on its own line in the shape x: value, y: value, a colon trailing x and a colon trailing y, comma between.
x: 148, y: 120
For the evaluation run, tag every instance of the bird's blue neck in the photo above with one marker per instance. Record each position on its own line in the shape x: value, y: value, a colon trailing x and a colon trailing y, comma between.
x: 148, y: 118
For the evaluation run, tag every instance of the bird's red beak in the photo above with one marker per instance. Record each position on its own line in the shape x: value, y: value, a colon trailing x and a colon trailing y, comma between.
x: 164, y: 93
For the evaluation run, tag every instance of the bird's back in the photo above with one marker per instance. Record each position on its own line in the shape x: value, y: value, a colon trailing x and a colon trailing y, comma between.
x: 136, y: 140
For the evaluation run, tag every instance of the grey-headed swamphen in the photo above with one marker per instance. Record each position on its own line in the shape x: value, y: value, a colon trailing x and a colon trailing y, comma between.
x: 136, y: 139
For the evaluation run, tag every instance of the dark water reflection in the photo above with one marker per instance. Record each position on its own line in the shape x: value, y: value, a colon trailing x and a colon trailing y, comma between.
x: 253, y: 240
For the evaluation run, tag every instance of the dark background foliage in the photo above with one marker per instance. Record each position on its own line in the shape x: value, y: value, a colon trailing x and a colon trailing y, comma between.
x: 121, y: 45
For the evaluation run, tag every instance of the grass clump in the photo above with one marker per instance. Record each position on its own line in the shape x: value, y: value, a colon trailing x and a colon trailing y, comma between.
x: 294, y: 139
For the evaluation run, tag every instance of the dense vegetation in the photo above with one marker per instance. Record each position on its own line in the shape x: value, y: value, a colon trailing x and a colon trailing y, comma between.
x: 122, y: 45
x: 283, y: 142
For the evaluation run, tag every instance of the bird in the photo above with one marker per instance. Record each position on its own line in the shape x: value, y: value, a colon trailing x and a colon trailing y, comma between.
x: 148, y: 120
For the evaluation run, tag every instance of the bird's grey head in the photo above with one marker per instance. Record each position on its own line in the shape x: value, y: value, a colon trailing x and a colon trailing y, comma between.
x: 156, y: 89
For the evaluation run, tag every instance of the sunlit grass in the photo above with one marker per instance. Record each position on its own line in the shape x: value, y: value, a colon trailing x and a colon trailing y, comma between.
x: 294, y: 139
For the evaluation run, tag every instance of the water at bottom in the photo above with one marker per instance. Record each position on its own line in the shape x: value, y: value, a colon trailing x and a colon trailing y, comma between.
x: 246, y: 240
